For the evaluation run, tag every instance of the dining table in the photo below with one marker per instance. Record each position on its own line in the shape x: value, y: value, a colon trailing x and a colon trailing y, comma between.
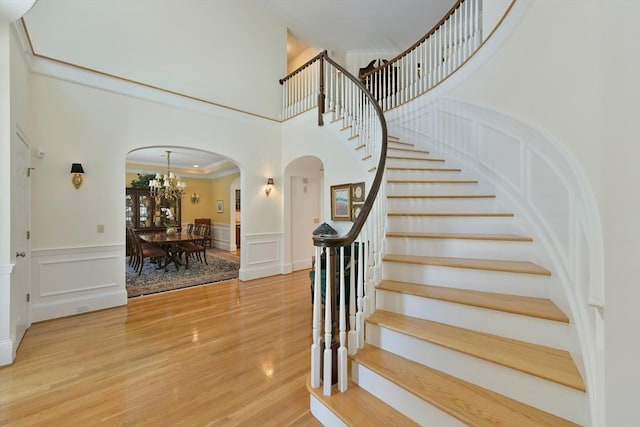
x: 170, y: 243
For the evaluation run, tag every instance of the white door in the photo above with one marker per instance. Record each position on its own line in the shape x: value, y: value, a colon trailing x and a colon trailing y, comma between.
x: 305, y: 214
x: 20, y: 247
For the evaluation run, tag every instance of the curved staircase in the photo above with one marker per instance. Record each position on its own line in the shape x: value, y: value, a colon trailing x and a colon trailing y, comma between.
x: 463, y: 332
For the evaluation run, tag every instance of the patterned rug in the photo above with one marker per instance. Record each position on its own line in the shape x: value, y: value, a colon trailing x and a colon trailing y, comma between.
x: 222, y: 265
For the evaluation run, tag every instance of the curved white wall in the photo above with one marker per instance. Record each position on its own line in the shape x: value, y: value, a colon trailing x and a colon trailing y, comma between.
x: 569, y: 71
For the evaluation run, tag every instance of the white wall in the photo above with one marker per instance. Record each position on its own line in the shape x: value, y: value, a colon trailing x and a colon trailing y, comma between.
x: 239, y: 50
x: 301, y: 136
x: 97, y: 128
x: 568, y: 70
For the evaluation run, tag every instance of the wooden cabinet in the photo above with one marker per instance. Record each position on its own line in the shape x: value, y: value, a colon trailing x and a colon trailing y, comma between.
x: 143, y: 211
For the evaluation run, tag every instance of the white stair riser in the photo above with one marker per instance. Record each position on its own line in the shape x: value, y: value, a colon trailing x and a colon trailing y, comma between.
x: 421, y: 174
x: 324, y: 414
x: 417, y: 163
x: 422, y: 205
x: 401, y: 152
x: 451, y: 224
x: 460, y: 248
x: 523, y: 328
x: 393, y: 144
x: 429, y: 188
x: 551, y: 397
x: 410, y: 405
x: 467, y: 278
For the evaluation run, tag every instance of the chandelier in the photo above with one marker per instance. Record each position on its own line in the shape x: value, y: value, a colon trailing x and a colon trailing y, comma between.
x: 167, y: 186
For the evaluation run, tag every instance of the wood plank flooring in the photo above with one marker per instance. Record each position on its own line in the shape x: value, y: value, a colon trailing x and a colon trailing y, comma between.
x: 233, y: 354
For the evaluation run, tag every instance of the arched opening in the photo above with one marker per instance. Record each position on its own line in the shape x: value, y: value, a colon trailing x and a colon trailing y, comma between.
x: 304, y: 178
x: 205, y: 208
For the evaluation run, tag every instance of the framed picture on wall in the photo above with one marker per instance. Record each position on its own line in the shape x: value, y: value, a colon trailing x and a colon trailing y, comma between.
x: 355, y: 210
x: 357, y: 192
x: 341, y: 202
x: 219, y: 206
x: 237, y: 200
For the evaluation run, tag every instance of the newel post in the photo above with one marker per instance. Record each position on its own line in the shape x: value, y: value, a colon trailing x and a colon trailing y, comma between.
x: 321, y: 95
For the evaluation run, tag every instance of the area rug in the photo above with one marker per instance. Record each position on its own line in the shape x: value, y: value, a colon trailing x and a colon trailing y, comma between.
x: 221, y: 266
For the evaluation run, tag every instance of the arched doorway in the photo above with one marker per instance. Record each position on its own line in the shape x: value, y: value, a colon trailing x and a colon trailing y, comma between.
x: 207, y: 178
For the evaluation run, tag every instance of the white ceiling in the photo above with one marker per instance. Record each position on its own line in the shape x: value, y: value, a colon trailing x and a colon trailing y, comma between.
x: 184, y: 161
x: 339, y: 26
x: 342, y: 26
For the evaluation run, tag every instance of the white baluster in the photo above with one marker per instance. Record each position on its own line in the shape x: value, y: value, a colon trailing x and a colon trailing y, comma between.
x: 317, y: 302
x: 360, y: 296
x: 353, y: 337
x: 342, y: 350
x: 326, y: 386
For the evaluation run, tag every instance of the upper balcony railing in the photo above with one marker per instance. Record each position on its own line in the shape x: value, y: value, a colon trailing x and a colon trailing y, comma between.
x: 431, y: 59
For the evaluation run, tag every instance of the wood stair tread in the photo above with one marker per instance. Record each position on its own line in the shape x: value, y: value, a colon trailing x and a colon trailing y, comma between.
x: 523, y: 267
x: 544, y: 362
x: 451, y: 214
x: 398, y: 168
x: 357, y: 407
x: 391, y: 140
x: 469, y: 403
x: 441, y: 196
x: 540, y: 308
x: 409, y: 150
x: 461, y: 236
x: 414, y: 158
x: 431, y: 181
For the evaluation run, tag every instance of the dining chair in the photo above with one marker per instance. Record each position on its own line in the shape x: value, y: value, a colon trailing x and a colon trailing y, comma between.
x: 197, y: 246
x: 146, y: 250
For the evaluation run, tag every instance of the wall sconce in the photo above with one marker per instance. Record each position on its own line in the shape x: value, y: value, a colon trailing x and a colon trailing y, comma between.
x: 195, y: 198
x: 269, y: 187
x: 77, y: 171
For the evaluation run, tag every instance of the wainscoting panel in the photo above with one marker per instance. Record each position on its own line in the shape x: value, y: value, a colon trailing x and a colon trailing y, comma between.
x: 549, y: 197
x: 220, y: 236
x: 507, y: 164
x: 262, y: 255
x: 69, y: 281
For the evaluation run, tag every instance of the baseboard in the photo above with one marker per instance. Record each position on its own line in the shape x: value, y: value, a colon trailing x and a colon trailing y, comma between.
x: 71, y: 306
x: 302, y: 264
x: 6, y: 352
x: 258, y: 272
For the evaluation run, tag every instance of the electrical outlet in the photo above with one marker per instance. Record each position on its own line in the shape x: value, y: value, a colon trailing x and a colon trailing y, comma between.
x: 100, y: 228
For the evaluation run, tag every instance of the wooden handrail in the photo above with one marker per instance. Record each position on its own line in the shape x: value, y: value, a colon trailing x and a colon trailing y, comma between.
x: 347, y: 239
x: 416, y: 44
x: 303, y: 66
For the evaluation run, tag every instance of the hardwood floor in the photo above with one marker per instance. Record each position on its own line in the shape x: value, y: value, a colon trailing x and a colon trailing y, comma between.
x: 232, y: 354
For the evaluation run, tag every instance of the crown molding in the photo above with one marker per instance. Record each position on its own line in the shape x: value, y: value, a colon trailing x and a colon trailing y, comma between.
x: 62, y: 70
